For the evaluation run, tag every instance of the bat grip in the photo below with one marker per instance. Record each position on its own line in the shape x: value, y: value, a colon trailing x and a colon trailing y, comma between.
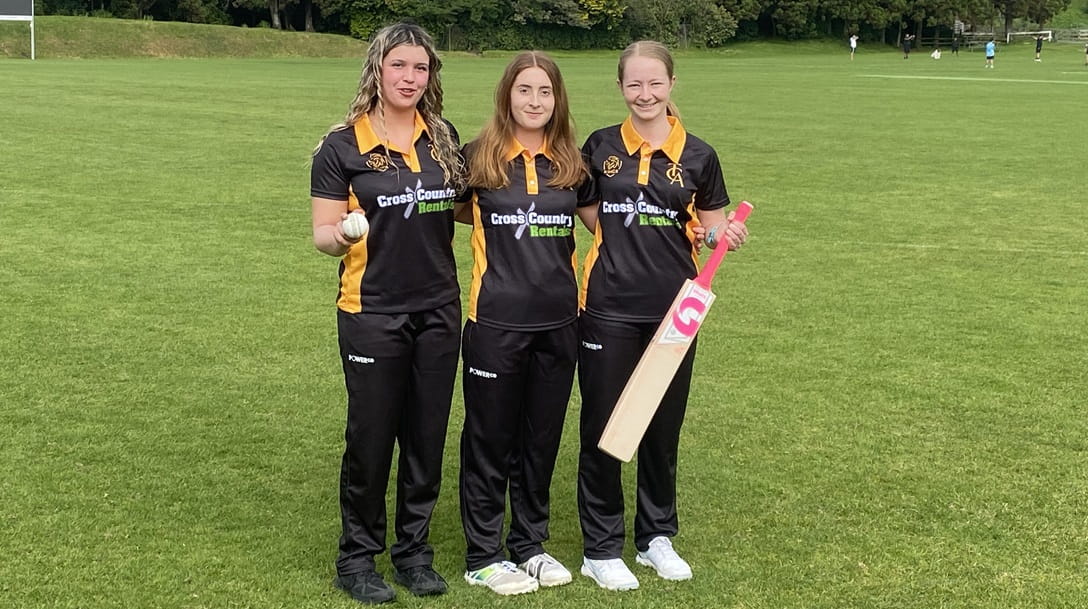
x: 718, y: 254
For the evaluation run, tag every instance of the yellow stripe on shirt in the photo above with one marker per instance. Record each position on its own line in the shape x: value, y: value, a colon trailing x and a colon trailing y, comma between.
x: 479, y: 258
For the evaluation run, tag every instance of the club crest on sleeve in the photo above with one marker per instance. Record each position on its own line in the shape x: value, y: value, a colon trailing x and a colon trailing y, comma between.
x: 377, y: 162
x: 675, y: 174
x: 611, y: 166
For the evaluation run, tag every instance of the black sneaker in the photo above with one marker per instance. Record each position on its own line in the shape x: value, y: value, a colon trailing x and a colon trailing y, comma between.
x: 421, y: 580
x: 366, y: 587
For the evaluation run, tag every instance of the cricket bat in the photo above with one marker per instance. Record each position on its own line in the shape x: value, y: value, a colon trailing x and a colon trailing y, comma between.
x: 651, y: 378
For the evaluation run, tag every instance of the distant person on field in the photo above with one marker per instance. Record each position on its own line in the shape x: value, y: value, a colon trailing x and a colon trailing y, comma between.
x: 1038, y: 47
x: 936, y: 54
x: 907, y: 40
x: 991, y: 47
x: 1086, y: 55
x: 955, y: 45
x: 853, y: 45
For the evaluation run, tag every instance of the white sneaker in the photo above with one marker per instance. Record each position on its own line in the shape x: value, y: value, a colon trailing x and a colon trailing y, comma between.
x: 503, y: 578
x: 546, y: 570
x: 610, y: 573
x: 664, y: 560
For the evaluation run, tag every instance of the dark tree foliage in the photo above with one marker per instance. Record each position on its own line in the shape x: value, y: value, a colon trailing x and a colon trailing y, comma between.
x: 578, y: 24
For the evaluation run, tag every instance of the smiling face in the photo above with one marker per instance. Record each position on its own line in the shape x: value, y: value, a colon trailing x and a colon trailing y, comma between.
x: 532, y: 101
x: 646, y: 86
x: 406, y: 69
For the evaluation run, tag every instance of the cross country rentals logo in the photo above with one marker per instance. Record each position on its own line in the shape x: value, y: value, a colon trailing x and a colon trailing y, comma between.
x: 420, y: 199
x: 688, y: 315
x: 536, y: 224
x: 648, y: 214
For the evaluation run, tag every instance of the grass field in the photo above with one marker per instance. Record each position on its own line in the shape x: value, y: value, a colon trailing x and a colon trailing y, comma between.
x: 59, y: 37
x: 888, y: 407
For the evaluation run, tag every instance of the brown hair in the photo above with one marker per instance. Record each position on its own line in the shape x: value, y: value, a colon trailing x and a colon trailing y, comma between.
x: 487, y: 165
x: 368, y: 96
x: 653, y: 50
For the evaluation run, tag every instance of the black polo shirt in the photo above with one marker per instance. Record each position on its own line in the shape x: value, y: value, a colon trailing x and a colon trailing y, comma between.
x: 643, y: 250
x: 524, y: 263
x: 405, y: 262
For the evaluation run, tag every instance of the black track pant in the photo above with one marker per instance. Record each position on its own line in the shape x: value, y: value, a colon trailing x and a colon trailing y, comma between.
x: 517, y: 385
x: 399, y: 371
x: 608, y: 354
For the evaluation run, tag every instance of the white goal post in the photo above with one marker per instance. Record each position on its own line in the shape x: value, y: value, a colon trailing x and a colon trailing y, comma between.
x: 19, y: 10
x: 1048, y: 35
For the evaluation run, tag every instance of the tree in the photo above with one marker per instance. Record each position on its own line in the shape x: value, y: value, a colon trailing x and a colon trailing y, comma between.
x: 704, y: 22
x: 1039, y: 11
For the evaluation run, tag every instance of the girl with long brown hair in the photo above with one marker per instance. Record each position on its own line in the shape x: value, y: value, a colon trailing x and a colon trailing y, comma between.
x: 520, y: 341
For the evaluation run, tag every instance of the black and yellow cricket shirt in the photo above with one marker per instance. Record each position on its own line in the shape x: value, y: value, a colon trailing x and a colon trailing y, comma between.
x: 643, y: 247
x: 405, y: 262
x: 524, y: 263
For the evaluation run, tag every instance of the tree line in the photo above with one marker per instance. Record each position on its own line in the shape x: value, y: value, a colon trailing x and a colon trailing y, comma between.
x: 581, y: 24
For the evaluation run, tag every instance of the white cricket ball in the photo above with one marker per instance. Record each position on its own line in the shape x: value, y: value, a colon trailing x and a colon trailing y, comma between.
x: 355, y: 225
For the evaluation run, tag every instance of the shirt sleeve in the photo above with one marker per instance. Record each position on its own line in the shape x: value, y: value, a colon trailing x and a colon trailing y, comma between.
x: 588, y: 193
x: 711, y: 193
x: 327, y: 179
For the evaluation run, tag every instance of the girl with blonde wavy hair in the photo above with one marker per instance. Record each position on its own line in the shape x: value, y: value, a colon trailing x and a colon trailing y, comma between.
x: 395, y: 161
x: 519, y: 345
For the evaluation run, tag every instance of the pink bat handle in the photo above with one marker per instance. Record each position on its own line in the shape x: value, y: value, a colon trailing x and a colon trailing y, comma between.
x: 707, y: 275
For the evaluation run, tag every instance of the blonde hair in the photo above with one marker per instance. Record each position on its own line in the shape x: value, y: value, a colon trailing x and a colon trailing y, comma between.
x: 653, y: 50
x: 369, y: 96
x: 487, y: 165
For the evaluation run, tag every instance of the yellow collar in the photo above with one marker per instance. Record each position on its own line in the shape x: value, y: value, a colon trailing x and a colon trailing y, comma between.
x: 673, y: 146
x: 368, y: 140
x: 515, y: 148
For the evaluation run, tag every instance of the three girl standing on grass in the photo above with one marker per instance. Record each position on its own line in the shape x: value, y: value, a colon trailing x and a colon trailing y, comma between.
x: 395, y: 159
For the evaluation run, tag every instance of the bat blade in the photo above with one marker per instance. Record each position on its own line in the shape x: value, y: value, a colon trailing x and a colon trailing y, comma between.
x: 655, y: 370
x: 661, y: 359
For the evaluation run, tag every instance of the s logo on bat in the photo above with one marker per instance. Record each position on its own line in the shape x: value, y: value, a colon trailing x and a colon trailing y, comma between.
x: 687, y: 315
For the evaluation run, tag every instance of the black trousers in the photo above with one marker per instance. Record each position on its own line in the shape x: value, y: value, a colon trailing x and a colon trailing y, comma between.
x: 516, y: 385
x: 399, y: 371
x: 608, y: 354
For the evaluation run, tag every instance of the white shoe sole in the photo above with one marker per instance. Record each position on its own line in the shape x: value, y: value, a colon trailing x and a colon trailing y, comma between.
x: 673, y: 577
x: 551, y: 583
x: 505, y: 591
x: 589, y: 573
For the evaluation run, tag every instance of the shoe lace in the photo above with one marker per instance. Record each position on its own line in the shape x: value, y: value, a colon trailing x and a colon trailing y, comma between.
x: 661, y: 549
x: 418, y: 575
x: 607, y: 567
x: 369, y: 580
x: 497, y: 570
x: 542, y: 560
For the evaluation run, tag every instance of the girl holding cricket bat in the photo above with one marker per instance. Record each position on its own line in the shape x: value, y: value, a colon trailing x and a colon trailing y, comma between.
x: 656, y: 187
